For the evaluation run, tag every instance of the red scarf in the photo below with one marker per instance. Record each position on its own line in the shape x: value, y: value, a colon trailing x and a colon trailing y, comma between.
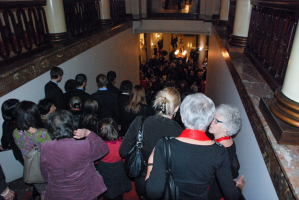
x: 195, y: 135
x: 222, y: 138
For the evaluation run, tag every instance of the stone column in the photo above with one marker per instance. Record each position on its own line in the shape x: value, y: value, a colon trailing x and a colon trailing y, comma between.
x: 241, y: 24
x: 224, y: 11
x: 285, y: 105
x: 105, y: 11
x: 56, y: 20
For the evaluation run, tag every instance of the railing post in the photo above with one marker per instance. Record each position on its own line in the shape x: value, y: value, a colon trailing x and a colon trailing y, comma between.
x: 56, y: 20
x: 224, y: 10
x: 105, y: 11
x: 285, y: 105
x: 241, y: 24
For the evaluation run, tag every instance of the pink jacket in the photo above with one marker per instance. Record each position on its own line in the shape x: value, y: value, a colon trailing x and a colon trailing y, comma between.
x: 67, y: 166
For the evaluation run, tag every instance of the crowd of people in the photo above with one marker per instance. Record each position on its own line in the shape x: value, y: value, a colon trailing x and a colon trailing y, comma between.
x: 84, y: 137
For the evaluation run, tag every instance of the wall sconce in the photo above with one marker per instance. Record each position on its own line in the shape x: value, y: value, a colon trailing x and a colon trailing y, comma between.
x: 176, y: 52
x: 152, y: 44
x: 200, y: 48
x: 185, y: 52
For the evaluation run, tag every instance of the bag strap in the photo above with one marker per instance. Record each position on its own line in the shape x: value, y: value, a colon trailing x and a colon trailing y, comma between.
x: 167, y: 152
x: 140, y: 134
x: 34, y: 137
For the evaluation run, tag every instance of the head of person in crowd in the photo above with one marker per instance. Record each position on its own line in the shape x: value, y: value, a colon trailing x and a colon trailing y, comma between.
x: 61, y: 125
x: 108, y: 129
x: 227, y: 121
x: 81, y: 81
x: 173, y: 65
x: 137, y: 98
x: 169, y: 84
x: 90, y: 110
x: 8, y: 109
x: 46, y: 106
x: 70, y: 86
x: 167, y: 102
x: 56, y: 74
x: 197, y: 111
x: 111, y: 77
x: 75, y: 103
x: 101, y: 81
x: 27, y: 116
x: 126, y: 87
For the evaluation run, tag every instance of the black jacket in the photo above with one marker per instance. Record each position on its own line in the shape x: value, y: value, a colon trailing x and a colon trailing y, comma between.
x: 155, y: 127
x: 52, y: 91
x: 107, y: 102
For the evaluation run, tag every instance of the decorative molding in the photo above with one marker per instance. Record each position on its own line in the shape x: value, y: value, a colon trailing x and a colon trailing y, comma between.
x: 238, y: 41
x: 285, y: 109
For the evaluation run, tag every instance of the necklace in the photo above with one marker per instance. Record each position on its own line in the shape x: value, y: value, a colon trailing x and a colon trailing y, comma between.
x: 222, y: 138
x: 195, y: 135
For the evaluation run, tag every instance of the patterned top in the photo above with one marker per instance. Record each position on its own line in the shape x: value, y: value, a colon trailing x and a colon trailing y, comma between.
x: 25, y: 142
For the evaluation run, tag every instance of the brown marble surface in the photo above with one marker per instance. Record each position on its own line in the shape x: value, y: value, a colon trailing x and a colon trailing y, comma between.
x: 16, y: 74
x: 282, y: 161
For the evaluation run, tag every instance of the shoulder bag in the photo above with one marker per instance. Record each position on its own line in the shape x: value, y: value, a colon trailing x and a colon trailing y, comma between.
x: 171, y: 191
x: 32, y: 173
x: 134, y: 163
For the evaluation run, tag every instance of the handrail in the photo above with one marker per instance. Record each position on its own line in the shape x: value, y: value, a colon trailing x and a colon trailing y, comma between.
x: 23, y: 27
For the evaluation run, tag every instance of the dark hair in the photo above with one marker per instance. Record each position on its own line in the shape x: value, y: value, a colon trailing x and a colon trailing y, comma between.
x: 8, y: 109
x: 80, y: 79
x: 70, y: 85
x: 111, y: 75
x: 108, y: 129
x: 44, y: 105
x: 55, y: 71
x: 27, y: 115
x: 75, y: 102
x: 126, y: 86
x: 90, y: 111
x: 101, y: 80
x: 61, y: 124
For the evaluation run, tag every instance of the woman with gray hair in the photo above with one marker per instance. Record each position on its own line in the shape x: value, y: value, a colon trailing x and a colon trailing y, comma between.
x: 226, y: 123
x: 195, y: 159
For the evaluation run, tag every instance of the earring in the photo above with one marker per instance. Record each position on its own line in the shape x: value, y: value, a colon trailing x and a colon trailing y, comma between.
x: 174, y: 114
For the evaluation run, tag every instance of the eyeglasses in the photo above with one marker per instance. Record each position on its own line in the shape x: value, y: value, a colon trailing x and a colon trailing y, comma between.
x: 216, y: 121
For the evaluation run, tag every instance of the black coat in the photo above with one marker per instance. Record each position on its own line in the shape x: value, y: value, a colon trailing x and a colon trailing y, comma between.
x: 52, y: 91
x: 3, y: 184
x: 107, y: 102
x: 8, y: 141
x: 112, y: 88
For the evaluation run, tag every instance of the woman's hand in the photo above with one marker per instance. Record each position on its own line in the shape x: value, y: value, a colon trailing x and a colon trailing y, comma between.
x: 240, y: 183
x: 150, y: 164
x: 8, y: 194
x: 81, y: 133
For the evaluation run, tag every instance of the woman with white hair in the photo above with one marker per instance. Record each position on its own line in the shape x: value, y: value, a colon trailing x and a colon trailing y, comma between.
x: 195, y: 159
x: 226, y: 123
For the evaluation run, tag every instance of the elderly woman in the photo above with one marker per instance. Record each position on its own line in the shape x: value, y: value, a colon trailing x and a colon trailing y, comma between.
x: 155, y: 127
x: 226, y: 123
x: 67, y: 164
x: 195, y: 158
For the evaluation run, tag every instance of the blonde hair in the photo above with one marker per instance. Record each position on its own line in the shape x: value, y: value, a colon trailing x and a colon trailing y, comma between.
x: 137, y: 98
x: 167, y: 100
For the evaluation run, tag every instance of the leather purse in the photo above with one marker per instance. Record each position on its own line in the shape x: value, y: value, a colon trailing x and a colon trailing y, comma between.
x: 171, y: 191
x: 134, y: 163
x: 32, y: 173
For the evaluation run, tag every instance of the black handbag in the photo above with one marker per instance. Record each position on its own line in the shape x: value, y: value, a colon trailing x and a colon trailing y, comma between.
x: 171, y: 191
x: 134, y: 163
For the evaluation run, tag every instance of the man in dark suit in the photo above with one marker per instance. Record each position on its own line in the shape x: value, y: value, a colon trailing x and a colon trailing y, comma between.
x: 81, y: 81
x: 107, y: 100
x: 111, y: 76
x: 52, y: 90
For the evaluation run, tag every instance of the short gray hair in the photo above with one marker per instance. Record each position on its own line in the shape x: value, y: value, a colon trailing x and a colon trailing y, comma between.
x: 231, y: 118
x: 197, y: 111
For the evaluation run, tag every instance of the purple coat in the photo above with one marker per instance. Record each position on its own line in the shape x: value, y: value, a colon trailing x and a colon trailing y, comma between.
x: 67, y: 166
